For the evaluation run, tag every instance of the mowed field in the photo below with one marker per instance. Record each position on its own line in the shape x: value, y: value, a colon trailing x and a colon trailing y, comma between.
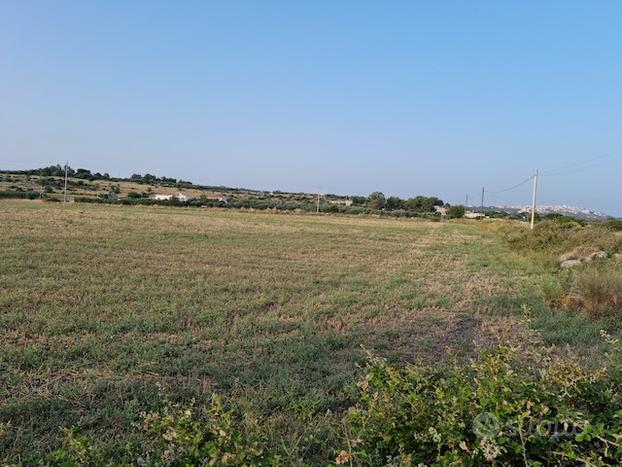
x: 107, y: 312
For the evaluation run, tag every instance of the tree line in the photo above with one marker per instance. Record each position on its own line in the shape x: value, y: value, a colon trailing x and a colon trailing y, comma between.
x: 377, y: 200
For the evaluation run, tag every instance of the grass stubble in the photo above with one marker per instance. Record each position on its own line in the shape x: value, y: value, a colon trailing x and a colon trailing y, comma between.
x: 107, y: 312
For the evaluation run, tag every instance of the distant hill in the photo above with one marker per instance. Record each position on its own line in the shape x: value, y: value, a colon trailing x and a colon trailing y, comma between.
x: 95, y: 187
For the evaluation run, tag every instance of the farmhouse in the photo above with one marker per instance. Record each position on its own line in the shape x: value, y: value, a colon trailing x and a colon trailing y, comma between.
x: 341, y: 202
x: 442, y: 210
x: 166, y: 197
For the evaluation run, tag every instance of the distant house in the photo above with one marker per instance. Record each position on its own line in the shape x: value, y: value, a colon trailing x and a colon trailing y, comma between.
x: 442, y: 210
x: 341, y: 202
x: 217, y: 197
x: 473, y: 215
x: 165, y: 197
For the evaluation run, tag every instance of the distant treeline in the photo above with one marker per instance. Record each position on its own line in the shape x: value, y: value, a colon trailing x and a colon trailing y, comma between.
x: 86, y: 174
x: 377, y: 200
x: 259, y: 204
x: 59, y: 171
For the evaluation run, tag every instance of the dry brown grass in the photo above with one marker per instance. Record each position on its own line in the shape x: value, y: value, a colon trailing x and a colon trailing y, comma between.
x: 596, y: 289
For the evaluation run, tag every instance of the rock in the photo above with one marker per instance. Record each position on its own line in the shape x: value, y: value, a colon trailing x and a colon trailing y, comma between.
x: 574, y: 257
x: 596, y: 254
x: 568, y: 256
x: 569, y: 263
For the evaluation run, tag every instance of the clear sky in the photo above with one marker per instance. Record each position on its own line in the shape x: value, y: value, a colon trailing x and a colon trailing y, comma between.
x: 412, y: 97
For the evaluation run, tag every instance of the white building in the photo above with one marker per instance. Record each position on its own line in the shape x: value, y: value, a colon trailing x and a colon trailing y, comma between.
x: 442, y: 210
x: 179, y: 196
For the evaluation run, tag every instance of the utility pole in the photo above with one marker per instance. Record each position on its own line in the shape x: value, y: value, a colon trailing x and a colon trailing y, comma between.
x: 533, y: 198
x: 65, y: 192
x: 41, y: 183
x: 318, y: 203
x: 466, y: 201
x: 482, y: 205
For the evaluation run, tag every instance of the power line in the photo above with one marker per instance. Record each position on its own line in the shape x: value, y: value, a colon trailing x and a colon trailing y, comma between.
x: 574, y: 167
x: 513, y: 187
x: 563, y: 170
x: 581, y: 170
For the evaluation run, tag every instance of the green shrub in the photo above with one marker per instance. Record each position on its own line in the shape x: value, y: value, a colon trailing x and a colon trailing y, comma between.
x: 177, y: 436
x: 495, y: 411
x: 90, y: 199
x: 19, y: 194
x: 218, y: 437
x: 456, y: 212
x: 501, y: 409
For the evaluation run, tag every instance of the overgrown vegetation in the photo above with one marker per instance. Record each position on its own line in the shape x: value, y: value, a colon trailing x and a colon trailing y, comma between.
x: 501, y: 409
x: 551, y: 238
x: 595, y: 286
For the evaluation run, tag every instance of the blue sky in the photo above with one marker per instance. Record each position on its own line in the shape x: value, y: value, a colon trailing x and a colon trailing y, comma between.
x: 437, y: 98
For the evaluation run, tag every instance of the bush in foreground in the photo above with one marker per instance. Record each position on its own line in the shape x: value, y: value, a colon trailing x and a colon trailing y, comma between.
x: 498, y: 410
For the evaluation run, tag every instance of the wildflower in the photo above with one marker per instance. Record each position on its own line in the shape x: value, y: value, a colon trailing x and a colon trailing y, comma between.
x: 490, y: 449
x: 436, y: 436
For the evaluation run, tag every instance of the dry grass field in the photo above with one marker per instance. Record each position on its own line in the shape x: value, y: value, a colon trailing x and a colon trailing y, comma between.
x: 108, y: 311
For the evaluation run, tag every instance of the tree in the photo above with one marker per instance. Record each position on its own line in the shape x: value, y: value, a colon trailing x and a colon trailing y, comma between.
x: 423, y: 203
x: 456, y: 212
x: 376, y: 200
x: 83, y: 173
x: 393, y: 203
x: 150, y: 179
